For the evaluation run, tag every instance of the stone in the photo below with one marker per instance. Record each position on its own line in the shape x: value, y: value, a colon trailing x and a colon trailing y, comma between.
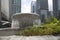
x: 23, y: 20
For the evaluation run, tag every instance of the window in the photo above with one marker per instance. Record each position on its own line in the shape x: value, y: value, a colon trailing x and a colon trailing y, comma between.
x: 16, y: 6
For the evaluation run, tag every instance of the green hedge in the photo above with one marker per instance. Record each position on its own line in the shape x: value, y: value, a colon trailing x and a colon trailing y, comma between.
x: 52, y: 28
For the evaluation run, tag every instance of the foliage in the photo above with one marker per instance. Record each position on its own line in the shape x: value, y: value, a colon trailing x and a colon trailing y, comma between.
x: 50, y: 28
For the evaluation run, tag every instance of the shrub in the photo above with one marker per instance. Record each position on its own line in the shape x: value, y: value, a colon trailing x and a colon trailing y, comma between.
x: 51, y: 28
x: 39, y: 31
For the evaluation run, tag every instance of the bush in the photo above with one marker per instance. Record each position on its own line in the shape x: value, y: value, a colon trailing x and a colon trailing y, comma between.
x: 36, y: 31
x: 52, y: 28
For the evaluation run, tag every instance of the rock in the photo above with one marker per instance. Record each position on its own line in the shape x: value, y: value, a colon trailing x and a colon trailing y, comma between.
x: 22, y: 20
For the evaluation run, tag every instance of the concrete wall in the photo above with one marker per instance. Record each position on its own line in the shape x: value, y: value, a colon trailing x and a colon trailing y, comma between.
x: 5, y: 7
x: 7, y: 31
x: 0, y: 11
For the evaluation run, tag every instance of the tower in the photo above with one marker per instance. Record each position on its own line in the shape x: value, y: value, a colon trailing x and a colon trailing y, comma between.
x: 42, y: 9
x: 56, y: 8
x: 10, y: 7
x: 33, y: 7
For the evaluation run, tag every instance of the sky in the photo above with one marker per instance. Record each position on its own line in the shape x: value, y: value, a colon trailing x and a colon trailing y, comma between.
x: 50, y: 5
x: 26, y: 6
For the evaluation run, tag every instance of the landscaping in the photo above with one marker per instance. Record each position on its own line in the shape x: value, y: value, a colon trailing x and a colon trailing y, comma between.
x: 49, y: 27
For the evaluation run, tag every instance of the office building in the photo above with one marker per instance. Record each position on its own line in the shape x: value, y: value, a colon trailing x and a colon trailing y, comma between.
x: 56, y: 8
x: 10, y: 7
x: 42, y: 9
x: 0, y: 12
x: 50, y: 14
x: 33, y: 7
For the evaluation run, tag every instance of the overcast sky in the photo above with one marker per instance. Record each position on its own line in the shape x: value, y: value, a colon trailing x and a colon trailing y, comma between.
x: 26, y: 6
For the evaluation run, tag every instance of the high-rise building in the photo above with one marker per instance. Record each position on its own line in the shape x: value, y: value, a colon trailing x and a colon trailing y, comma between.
x: 50, y: 14
x: 10, y: 7
x: 33, y: 7
x: 0, y: 12
x: 56, y: 8
x: 42, y: 8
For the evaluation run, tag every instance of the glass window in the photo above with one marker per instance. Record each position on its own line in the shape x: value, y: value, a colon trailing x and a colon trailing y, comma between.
x: 16, y: 6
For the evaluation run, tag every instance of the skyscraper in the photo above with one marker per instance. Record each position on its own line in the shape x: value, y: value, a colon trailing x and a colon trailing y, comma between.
x: 0, y: 12
x: 56, y: 8
x: 33, y: 7
x: 42, y: 8
x: 10, y: 7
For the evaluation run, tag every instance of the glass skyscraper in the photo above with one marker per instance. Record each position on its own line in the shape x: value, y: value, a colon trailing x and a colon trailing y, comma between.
x: 10, y: 7
x: 42, y: 8
x: 0, y: 12
x: 56, y: 8
x: 33, y: 7
x: 16, y: 6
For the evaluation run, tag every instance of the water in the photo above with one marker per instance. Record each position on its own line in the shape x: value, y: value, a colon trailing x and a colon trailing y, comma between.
x: 29, y: 37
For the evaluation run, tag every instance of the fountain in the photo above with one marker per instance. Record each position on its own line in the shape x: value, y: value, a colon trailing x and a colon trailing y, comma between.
x: 22, y: 20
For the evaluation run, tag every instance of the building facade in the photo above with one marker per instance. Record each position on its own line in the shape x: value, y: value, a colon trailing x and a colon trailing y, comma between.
x: 0, y: 12
x: 56, y: 8
x: 42, y: 8
x: 10, y: 7
x: 33, y: 7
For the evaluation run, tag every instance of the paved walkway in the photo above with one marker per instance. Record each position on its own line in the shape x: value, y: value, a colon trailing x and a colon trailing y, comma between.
x: 30, y: 38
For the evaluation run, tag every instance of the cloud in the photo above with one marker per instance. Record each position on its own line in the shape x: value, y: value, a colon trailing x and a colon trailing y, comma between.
x: 33, y: 0
x: 26, y: 6
x: 25, y: 9
x: 50, y: 5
